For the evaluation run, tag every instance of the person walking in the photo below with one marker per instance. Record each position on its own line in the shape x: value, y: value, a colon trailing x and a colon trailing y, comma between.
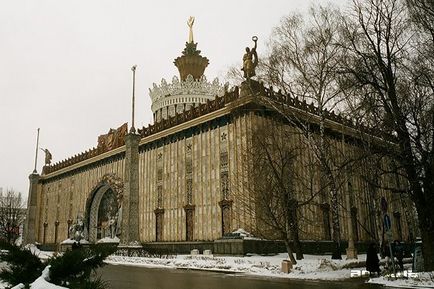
x: 372, y: 261
x: 398, y: 252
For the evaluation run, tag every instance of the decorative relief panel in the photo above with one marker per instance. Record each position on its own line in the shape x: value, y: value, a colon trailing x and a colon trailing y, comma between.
x: 159, y: 196
x: 189, y: 170
x: 189, y: 190
x: 224, y: 183
x: 159, y: 211
x: 224, y: 164
x: 159, y: 180
x: 188, y: 167
x: 159, y: 174
x: 224, y: 161
x: 226, y: 202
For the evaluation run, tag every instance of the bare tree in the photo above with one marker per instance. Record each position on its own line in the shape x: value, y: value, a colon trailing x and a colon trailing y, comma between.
x: 271, y: 195
x: 386, y: 63
x: 12, y: 214
x: 303, y: 61
x: 422, y: 14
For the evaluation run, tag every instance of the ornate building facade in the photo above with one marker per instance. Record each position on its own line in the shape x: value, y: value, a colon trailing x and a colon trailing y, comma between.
x: 180, y: 178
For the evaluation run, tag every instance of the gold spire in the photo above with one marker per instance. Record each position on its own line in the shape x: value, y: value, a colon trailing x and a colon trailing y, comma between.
x: 191, y: 62
x: 190, y: 23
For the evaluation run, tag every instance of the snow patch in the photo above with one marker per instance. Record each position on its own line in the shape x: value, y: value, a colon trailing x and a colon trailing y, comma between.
x: 423, y: 280
x: 312, y: 267
x: 44, y: 255
x: 72, y: 241
x: 41, y: 282
x: 109, y: 240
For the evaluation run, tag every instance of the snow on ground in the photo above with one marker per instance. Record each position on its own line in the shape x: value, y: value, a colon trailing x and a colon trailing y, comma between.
x: 72, y: 241
x: 315, y: 267
x: 109, y: 240
x: 312, y: 267
x: 41, y: 282
x: 420, y: 280
x: 44, y: 255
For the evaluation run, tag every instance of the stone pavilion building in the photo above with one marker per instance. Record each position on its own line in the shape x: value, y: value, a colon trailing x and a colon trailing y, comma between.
x: 179, y: 181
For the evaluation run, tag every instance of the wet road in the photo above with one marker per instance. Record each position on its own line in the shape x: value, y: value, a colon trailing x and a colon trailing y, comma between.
x: 130, y: 277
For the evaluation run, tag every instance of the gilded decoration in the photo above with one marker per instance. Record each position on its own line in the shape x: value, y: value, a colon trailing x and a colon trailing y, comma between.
x: 113, y: 139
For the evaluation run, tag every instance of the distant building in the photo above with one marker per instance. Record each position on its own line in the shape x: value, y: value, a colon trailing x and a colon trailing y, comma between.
x: 175, y: 181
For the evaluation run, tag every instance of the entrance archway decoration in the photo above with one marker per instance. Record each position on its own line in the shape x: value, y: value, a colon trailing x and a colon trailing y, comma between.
x: 104, y: 208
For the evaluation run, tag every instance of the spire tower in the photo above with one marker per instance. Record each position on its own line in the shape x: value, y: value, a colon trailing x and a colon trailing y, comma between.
x: 191, y: 62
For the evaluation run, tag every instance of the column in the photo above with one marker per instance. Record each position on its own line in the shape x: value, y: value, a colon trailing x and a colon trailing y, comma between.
x: 30, y: 228
x: 130, y: 201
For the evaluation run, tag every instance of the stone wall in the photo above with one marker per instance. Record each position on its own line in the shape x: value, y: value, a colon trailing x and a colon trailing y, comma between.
x: 194, y: 169
x: 192, y: 175
x: 63, y: 198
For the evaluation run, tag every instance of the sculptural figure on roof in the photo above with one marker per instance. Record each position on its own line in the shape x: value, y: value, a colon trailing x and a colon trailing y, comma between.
x: 250, y: 60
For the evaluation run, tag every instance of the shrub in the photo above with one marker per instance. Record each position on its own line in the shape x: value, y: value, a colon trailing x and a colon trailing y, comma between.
x: 23, y: 265
x: 73, y: 269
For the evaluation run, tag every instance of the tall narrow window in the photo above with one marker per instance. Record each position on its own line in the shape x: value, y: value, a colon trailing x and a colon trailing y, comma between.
x: 56, y: 231
x: 226, y: 207
x: 44, y: 238
x: 159, y: 213
x: 160, y: 196
x: 189, y: 223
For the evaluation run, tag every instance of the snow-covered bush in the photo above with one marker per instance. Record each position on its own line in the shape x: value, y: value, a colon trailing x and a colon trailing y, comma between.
x: 74, y: 268
x: 22, y: 265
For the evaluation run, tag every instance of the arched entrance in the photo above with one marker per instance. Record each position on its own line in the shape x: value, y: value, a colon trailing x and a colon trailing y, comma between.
x: 103, y: 209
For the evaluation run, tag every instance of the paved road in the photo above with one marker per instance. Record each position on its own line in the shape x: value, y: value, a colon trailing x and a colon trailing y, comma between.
x: 130, y: 277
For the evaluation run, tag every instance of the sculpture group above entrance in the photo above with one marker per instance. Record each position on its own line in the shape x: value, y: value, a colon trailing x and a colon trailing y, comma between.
x: 104, y: 209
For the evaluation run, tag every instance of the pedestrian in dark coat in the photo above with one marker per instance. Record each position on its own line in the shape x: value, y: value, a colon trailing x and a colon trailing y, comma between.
x: 398, y: 252
x: 372, y: 261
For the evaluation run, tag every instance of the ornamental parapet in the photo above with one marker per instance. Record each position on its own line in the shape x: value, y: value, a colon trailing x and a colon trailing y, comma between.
x: 220, y: 102
x: 178, y: 96
x: 189, y: 86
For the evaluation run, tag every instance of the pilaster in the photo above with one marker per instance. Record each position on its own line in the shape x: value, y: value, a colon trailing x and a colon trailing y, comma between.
x: 30, y: 226
x: 130, y: 201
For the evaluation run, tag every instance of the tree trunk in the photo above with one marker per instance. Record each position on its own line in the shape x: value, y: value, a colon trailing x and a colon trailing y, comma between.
x: 425, y: 216
x: 290, y: 253
x: 428, y: 249
x: 337, y: 253
x: 297, y: 247
x: 294, y: 232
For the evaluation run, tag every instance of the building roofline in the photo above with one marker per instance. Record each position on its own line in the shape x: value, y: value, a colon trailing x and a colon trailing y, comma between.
x: 213, y: 109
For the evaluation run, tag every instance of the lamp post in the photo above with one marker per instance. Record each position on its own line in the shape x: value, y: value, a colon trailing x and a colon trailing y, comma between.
x: 133, y: 129
x: 36, y: 155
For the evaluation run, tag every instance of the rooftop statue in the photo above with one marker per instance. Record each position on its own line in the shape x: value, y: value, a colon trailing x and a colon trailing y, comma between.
x: 48, y: 156
x: 250, y: 60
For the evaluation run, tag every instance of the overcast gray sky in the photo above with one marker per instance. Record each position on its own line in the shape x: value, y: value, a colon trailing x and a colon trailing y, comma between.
x: 65, y: 65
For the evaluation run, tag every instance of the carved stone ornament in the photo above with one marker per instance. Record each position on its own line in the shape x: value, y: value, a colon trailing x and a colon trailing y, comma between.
x: 116, y: 183
x: 187, y: 87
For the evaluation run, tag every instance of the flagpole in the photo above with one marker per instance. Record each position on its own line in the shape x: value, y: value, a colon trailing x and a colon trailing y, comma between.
x: 36, y: 154
x: 133, y: 129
